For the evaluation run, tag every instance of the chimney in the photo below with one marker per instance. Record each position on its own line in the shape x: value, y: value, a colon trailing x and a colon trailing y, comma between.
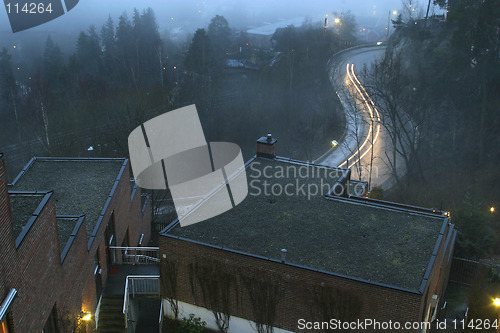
x: 266, y: 146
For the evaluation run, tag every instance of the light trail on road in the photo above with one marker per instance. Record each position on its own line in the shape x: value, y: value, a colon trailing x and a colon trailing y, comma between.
x: 357, y: 84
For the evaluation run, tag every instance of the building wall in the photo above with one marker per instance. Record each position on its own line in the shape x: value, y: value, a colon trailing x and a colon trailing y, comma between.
x: 297, y: 293
x: 127, y: 216
x: 439, y: 274
x: 6, y: 234
x: 77, y: 282
x: 35, y: 268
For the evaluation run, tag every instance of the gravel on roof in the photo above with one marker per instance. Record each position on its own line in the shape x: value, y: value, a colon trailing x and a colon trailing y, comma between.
x: 80, y: 187
x: 22, y: 208
x: 356, y: 240
x: 65, y: 227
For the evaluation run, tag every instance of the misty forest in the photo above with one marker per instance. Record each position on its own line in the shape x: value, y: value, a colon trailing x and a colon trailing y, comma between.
x: 443, y: 74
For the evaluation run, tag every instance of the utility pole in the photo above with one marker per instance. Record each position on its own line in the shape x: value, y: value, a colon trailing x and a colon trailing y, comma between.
x: 388, y: 24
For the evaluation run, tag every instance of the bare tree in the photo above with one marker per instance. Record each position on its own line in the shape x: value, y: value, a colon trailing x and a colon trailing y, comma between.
x: 215, y: 284
x: 332, y: 302
x: 401, y: 111
x: 170, y: 272
x: 265, y: 290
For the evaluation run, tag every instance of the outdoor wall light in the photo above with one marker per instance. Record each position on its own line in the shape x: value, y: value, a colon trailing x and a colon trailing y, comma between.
x: 85, y: 316
x: 496, y: 301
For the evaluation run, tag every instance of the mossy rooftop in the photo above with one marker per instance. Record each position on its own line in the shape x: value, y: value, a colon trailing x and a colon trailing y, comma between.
x: 339, y: 236
x: 80, y: 186
x: 22, y: 208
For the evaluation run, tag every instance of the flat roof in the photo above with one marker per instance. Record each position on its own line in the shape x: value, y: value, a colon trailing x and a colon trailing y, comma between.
x: 80, y: 186
x: 339, y: 236
x: 65, y: 227
x: 22, y: 207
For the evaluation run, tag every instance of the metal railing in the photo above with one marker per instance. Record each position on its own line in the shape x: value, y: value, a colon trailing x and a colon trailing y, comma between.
x: 465, y: 271
x: 139, y: 285
x: 124, y: 255
x: 160, y: 319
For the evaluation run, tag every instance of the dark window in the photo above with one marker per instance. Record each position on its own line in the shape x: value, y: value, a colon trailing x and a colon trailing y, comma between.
x: 50, y: 325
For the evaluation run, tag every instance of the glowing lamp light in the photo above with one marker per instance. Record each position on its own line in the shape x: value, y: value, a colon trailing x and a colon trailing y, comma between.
x: 86, y: 316
x: 335, y: 143
x: 337, y: 20
x: 492, y: 209
x: 496, y: 301
x: 395, y: 12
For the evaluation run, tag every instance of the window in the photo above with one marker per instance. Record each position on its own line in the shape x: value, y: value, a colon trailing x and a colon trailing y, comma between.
x: 50, y: 325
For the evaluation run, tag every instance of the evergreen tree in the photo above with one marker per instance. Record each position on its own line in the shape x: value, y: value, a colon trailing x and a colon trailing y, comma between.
x: 109, y: 53
x: 199, y: 58
x: 52, y: 65
x: 149, y: 48
x: 220, y: 38
x: 88, y: 53
x: 125, y: 51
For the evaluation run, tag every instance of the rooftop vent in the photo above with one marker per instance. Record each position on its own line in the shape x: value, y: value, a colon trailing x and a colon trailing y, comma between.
x: 283, y: 255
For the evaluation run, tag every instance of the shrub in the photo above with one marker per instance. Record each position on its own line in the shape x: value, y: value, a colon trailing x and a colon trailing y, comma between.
x: 191, y: 325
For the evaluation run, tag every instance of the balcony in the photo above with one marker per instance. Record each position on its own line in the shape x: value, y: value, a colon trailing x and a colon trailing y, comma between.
x: 131, y: 297
x: 122, y: 255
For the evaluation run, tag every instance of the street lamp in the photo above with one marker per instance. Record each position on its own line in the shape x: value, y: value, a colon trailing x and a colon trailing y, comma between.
x: 492, y: 209
x: 339, y: 23
x: 394, y: 12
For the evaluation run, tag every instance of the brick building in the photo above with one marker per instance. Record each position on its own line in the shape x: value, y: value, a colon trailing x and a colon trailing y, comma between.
x: 57, y: 219
x: 300, y: 251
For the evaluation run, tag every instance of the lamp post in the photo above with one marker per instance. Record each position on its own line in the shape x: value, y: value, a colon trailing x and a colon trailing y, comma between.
x: 338, y: 22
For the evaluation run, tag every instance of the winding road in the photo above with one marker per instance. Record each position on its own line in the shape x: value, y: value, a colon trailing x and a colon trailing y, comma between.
x: 366, y: 143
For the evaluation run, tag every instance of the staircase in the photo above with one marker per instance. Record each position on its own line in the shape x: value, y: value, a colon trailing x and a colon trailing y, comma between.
x: 111, y: 318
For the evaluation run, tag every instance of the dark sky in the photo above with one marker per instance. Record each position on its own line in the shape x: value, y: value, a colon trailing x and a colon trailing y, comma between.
x: 194, y: 13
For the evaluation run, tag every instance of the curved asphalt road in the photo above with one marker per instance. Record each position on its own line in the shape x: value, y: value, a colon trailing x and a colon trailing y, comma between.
x: 365, y: 139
